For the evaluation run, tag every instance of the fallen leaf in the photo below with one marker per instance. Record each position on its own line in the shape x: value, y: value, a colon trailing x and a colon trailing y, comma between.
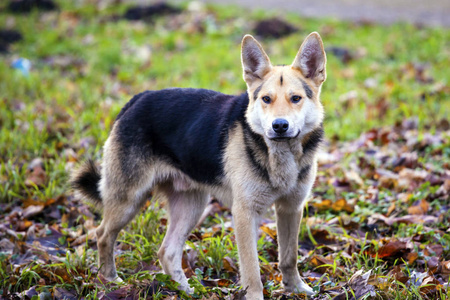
x: 353, y: 176
x: 390, y: 209
x: 36, y: 174
x: 321, y: 263
x: 420, y: 208
x: 31, y: 292
x: 429, y: 284
x: 32, y: 211
x: 221, y: 282
x: 6, y: 246
x: 269, y: 231
x: 433, y: 250
x: 229, y: 265
x: 61, y: 293
x: 411, y: 257
x: 391, y: 249
x: 408, y: 219
x: 342, y: 205
x: 324, y: 205
x: 240, y: 294
x: 445, y: 267
x: 322, y: 236
x: 359, y: 285
x: 398, y: 274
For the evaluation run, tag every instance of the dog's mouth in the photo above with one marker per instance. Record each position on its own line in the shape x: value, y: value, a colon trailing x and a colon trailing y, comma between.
x: 281, y: 138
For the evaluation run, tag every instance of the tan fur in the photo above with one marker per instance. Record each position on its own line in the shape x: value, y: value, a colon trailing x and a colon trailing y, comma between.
x: 278, y: 83
x: 248, y: 194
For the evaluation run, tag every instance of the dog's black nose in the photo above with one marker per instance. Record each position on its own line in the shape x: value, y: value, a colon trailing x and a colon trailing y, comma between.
x: 280, y: 125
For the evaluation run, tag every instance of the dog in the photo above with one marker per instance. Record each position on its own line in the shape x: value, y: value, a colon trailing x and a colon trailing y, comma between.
x: 250, y: 151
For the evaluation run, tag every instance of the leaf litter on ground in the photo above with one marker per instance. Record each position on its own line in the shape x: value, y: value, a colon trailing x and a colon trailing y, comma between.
x: 375, y: 228
x: 391, y: 190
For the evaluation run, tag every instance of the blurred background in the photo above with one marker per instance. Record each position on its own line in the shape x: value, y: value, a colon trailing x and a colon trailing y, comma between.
x: 433, y: 13
x: 67, y: 68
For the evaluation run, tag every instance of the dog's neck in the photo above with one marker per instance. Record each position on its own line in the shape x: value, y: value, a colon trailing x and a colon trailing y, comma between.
x: 287, y: 158
x: 281, y: 161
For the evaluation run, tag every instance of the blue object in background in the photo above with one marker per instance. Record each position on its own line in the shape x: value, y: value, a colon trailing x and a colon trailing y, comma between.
x: 23, y: 65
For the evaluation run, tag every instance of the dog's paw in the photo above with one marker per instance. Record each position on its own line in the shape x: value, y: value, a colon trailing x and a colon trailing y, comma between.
x: 300, y: 287
x: 254, y: 296
x: 116, y: 279
x: 186, y: 289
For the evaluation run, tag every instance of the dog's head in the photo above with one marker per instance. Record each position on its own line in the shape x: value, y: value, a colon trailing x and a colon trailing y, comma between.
x: 284, y: 100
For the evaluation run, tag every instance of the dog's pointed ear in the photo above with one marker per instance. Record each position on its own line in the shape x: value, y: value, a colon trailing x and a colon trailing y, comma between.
x: 311, y: 59
x: 255, y: 61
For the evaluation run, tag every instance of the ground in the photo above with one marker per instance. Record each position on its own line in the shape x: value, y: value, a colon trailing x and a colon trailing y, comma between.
x: 376, y: 226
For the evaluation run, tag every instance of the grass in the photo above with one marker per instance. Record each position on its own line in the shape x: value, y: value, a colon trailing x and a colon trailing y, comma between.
x: 86, y: 65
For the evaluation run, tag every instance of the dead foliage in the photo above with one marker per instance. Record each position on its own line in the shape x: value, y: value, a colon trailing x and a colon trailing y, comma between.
x: 381, y: 186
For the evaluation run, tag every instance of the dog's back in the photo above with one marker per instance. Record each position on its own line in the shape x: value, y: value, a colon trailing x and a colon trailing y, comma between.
x: 187, y: 128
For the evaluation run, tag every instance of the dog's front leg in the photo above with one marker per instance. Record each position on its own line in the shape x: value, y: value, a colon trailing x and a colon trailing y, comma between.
x: 245, y: 224
x: 289, y: 216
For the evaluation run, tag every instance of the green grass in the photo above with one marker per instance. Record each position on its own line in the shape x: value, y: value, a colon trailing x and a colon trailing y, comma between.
x: 85, y: 67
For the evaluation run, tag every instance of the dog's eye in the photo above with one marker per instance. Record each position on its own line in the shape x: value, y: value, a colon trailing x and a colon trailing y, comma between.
x: 296, y: 99
x: 266, y: 99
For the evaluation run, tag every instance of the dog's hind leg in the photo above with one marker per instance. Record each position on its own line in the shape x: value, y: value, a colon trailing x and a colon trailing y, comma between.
x: 119, y: 208
x: 185, y: 209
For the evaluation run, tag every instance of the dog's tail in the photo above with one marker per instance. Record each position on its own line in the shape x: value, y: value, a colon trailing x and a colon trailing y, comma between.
x: 85, y: 180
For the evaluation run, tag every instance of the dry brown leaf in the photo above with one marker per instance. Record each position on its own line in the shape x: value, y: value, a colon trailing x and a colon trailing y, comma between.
x: 6, y: 245
x: 408, y: 219
x: 429, y: 284
x: 386, y: 178
x: 239, y: 294
x: 391, y: 249
x: 269, y: 231
x: 322, y: 236
x: 419, y: 209
x: 36, y: 174
x: 411, y: 174
x: 90, y: 236
x: 276, y: 276
x: 359, y: 286
x: 445, y: 267
x: 433, y: 250
x: 390, y: 210
x: 342, y: 205
x: 321, y: 263
x: 353, y: 176
x: 229, y: 265
x: 61, y: 293
x: 411, y: 257
x: 213, y: 297
x: 32, y: 210
x: 398, y: 274
x: 324, y: 205
x: 24, y: 225
x: 221, y: 282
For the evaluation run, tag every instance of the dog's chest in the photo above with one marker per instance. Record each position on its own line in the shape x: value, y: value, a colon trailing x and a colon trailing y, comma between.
x: 283, y: 168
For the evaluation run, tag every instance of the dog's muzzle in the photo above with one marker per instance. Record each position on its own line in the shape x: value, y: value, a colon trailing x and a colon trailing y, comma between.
x: 283, y: 138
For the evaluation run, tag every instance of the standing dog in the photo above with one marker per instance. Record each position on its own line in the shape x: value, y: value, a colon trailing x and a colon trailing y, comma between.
x: 252, y: 150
